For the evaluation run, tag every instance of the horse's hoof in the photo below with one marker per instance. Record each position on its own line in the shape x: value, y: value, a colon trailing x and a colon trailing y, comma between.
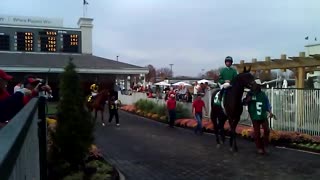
x: 218, y: 146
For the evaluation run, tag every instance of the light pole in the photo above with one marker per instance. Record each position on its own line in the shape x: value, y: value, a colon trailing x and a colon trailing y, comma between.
x: 171, y: 69
x: 117, y: 58
x: 202, y: 73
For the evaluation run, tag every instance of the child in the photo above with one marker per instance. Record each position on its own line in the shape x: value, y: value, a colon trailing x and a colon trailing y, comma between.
x: 259, y: 109
x: 197, y: 107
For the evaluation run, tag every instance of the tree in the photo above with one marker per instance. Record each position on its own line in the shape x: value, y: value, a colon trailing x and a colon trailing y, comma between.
x: 213, y: 74
x: 74, y: 131
x: 164, y: 72
x: 151, y: 76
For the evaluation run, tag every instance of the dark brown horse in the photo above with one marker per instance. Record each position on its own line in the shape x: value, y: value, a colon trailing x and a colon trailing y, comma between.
x: 98, y: 103
x: 231, y: 107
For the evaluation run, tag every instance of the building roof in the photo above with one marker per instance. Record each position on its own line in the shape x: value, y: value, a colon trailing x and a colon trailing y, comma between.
x: 55, y: 62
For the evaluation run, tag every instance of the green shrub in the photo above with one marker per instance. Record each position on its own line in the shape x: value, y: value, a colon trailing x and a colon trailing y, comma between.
x: 182, y: 112
x: 149, y: 105
x: 74, y: 131
x: 75, y: 176
x: 162, y: 110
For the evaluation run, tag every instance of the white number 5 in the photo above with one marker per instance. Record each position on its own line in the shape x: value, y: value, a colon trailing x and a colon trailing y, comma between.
x: 259, y: 108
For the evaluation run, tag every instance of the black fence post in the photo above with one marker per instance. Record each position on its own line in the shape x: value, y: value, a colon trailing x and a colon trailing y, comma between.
x: 42, y: 134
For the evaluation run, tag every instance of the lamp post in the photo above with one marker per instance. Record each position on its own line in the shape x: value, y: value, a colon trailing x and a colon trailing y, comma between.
x: 117, y: 58
x: 171, y: 69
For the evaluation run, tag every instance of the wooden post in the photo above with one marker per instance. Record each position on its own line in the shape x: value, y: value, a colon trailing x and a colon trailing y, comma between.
x: 240, y: 68
x: 254, y: 60
x: 301, y: 73
x: 300, y: 77
x: 267, y: 59
x: 283, y: 57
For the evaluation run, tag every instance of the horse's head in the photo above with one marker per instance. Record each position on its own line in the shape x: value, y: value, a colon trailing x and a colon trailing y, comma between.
x: 246, y: 79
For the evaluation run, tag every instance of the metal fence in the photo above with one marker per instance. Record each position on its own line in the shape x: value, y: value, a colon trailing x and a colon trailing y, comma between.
x: 23, y: 144
x: 296, y: 110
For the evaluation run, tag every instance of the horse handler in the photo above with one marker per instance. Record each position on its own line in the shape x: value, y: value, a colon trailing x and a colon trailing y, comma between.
x: 113, y: 105
x: 259, y: 109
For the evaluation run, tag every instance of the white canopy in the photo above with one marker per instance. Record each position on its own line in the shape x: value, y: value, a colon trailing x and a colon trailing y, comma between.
x: 181, y: 83
x: 162, y: 83
x: 205, y: 80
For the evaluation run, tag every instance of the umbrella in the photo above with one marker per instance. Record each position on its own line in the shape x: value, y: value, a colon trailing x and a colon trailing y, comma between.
x: 204, y: 81
x: 162, y: 83
x: 181, y: 83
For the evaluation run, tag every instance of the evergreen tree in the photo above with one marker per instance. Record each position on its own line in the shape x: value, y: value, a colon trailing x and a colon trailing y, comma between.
x: 74, y: 132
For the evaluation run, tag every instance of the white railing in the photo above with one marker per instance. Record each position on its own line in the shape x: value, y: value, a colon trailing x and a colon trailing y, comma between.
x: 296, y: 109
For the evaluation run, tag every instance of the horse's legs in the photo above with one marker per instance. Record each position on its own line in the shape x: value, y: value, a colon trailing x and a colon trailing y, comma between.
x: 222, y: 121
x: 95, y: 114
x: 231, y: 133
x: 102, y: 118
x: 233, y: 144
x: 214, y: 119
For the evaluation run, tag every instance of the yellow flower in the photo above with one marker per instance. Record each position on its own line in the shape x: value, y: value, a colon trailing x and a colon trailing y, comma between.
x: 245, y: 133
x: 51, y: 121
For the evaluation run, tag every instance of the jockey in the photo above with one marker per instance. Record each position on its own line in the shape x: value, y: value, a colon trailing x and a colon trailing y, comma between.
x: 227, y: 74
x: 94, y: 91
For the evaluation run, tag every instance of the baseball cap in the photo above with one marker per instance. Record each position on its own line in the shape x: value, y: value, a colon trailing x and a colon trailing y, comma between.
x: 4, y: 75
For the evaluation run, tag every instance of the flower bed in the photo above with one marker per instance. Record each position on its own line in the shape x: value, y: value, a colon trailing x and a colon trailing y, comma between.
x: 282, y: 138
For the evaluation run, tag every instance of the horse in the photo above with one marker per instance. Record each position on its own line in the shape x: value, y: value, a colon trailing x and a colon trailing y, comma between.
x: 231, y: 107
x: 97, y: 104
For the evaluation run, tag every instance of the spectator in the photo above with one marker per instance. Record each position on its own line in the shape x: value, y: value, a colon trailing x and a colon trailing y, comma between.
x: 171, y: 106
x: 197, y: 108
x: 10, y: 105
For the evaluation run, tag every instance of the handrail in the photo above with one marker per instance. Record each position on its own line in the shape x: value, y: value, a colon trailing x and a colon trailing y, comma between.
x: 14, y: 136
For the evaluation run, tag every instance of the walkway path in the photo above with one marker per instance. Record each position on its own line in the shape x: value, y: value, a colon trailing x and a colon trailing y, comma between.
x: 145, y: 149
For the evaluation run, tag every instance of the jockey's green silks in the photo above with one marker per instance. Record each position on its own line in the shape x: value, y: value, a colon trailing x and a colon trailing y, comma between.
x: 227, y: 74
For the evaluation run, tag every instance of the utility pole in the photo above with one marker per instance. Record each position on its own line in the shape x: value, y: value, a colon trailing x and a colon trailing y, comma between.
x: 171, y: 69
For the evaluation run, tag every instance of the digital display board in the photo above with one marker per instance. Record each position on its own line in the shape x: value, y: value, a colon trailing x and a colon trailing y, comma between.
x: 48, y: 41
x: 23, y: 41
x: 70, y: 42
x: 40, y: 40
x: 4, y: 42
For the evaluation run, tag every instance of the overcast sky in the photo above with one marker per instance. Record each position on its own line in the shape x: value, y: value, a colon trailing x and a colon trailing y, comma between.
x: 191, y: 34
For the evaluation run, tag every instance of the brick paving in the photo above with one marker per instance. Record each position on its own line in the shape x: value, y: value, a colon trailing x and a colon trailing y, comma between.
x: 147, y: 150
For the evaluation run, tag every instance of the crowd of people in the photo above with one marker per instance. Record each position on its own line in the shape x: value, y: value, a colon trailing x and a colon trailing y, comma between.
x: 12, y: 102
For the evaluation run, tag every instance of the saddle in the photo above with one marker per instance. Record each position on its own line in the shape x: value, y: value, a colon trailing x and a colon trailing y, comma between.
x: 91, y: 98
x: 217, y: 101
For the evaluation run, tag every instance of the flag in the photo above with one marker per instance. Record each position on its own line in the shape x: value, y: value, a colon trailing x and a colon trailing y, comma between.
x: 85, y: 2
x: 306, y: 38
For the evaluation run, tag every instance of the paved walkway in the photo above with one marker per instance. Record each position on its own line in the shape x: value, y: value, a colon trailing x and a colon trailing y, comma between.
x: 145, y: 149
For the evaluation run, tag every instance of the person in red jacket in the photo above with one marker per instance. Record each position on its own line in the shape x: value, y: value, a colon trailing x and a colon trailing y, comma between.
x: 4, y: 78
x: 33, y: 84
x: 197, y: 108
x: 171, y: 106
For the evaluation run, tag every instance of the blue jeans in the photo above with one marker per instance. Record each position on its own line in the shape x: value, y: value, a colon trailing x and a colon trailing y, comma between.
x: 199, y: 122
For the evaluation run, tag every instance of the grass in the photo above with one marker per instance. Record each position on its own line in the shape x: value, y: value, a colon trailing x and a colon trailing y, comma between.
x: 52, y: 108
